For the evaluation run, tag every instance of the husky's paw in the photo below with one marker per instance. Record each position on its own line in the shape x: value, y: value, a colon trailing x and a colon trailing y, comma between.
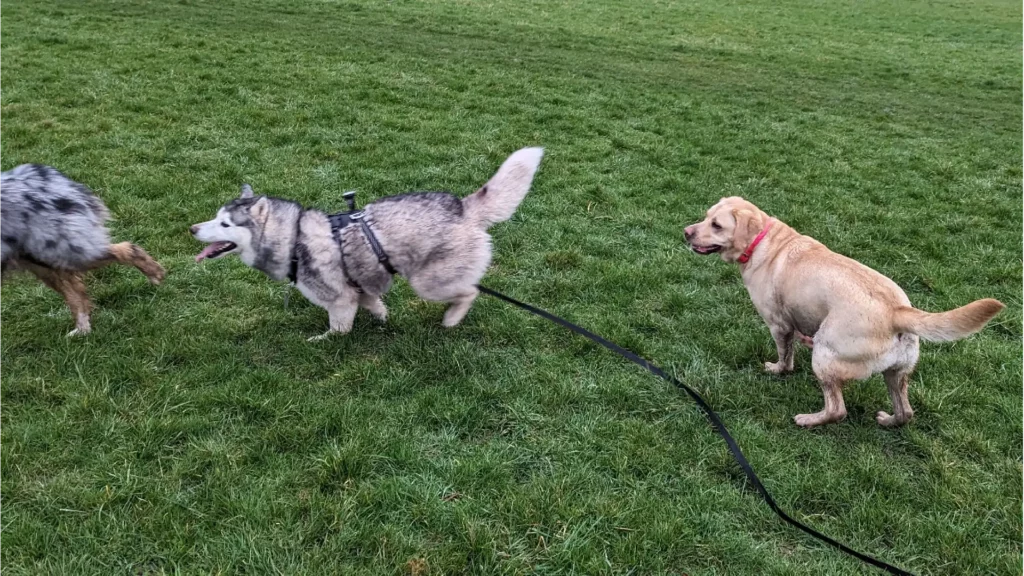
x: 79, y: 332
x: 454, y: 315
x: 320, y: 337
x: 777, y: 368
x: 378, y: 311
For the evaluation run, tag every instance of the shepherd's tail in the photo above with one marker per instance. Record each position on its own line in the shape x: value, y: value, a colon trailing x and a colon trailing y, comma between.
x: 497, y: 200
x: 946, y: 326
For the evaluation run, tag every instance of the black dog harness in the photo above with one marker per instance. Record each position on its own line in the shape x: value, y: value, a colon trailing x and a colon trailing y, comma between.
x: 293, y: 266
x: 338, y: 223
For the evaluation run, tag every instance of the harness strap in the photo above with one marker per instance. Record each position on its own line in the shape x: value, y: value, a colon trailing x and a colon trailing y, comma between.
x: 382, y: 257
x: 338, y: 222
x: 293, y: 266
x: 342, y: 219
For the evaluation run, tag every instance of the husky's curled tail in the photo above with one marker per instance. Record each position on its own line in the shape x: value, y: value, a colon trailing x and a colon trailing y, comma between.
x: 497, y: 200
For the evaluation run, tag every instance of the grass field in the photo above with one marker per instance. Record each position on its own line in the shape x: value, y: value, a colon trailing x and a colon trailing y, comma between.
x: 197, y: 432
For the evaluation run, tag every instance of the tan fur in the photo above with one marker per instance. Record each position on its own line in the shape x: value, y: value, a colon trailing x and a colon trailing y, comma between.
x: 71, y: 284
x: 946, y: 326
x: 860, y: 321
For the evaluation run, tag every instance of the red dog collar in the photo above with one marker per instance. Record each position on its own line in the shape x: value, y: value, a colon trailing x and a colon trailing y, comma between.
x: 750, y: 249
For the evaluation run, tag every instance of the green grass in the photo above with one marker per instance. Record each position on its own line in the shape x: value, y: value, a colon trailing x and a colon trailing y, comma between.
x: 196, y: 432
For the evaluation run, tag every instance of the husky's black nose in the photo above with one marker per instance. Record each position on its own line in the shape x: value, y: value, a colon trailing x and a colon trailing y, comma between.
x: 193, y: 229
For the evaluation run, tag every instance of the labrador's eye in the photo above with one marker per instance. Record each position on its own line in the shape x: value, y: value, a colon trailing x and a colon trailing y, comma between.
x: 716, y: 225
x: 225, y: 224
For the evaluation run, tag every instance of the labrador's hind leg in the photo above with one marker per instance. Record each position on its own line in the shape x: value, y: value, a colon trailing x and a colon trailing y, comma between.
x: 897, y: 381
x: 835, y: 407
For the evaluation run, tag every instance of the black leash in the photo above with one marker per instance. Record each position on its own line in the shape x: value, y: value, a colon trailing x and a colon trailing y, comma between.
x: 715, y: 421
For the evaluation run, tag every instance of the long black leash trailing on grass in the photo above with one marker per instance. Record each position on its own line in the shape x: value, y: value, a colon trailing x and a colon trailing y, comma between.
x: 715, y: 421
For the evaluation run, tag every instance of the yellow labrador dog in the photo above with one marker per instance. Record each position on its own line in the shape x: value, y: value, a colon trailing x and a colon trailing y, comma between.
x: 859, y: 321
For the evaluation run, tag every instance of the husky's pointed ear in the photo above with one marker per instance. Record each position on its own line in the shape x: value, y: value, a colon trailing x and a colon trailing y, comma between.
x: 260, y: 209
x: 247, y: 191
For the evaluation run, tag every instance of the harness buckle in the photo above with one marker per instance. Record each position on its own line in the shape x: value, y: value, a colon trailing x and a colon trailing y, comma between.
x: 343, y: 219
x: 350, y: 199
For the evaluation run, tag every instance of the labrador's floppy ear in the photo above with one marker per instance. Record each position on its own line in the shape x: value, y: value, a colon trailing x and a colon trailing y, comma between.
x: 247, y: 191
x: 748, y: 224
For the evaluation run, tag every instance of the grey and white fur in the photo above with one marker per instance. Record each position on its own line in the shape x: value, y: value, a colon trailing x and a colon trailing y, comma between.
x: 55, y: 228
x: 438, y: 241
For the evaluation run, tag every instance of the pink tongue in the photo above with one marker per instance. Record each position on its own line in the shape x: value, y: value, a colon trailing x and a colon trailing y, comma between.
x: 210, y: 249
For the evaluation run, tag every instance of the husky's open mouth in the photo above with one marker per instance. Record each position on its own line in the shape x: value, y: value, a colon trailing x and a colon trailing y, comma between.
x: 705, y: 250
x: 216, y: 250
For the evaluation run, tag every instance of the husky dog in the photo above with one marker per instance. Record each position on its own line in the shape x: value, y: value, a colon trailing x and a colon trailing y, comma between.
x: 436, y: 240
x: 55, y: 228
